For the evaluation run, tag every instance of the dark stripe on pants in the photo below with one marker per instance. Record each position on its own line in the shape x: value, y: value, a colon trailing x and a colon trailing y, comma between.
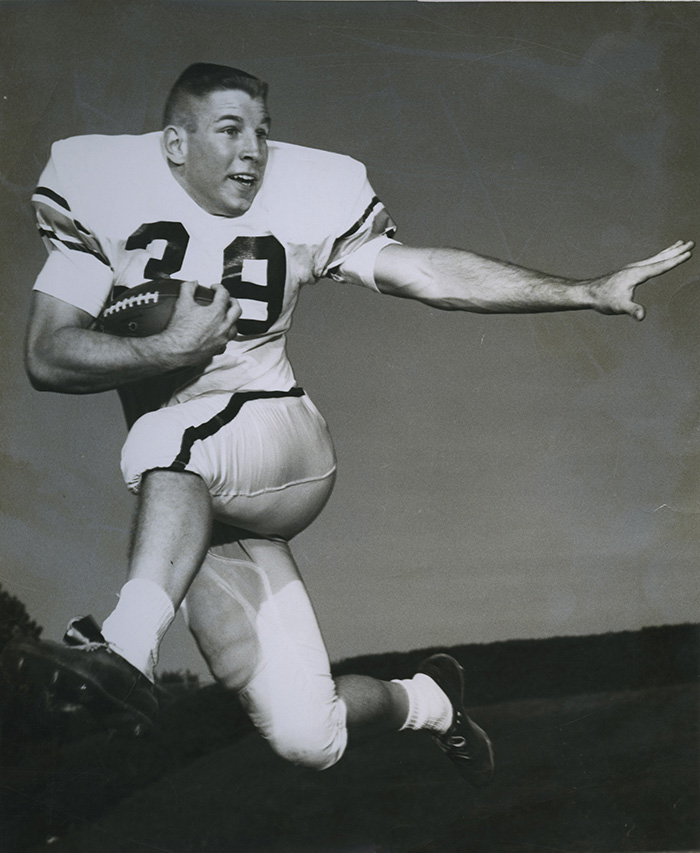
x: 213, y: 425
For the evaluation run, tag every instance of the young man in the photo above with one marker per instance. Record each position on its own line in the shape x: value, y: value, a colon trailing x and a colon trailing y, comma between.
x: 229, y: 457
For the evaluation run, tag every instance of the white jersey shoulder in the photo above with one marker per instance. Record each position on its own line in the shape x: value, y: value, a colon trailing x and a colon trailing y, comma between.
x: 322, y: 188
x: 113, y: 215
x: 307, y: 194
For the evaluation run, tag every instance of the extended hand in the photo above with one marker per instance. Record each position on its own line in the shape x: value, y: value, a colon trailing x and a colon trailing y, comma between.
x: 614, y: 294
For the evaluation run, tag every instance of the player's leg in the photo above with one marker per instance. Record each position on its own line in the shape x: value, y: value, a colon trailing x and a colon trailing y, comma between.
x: 253, y: 622
x: 432, y: 700
x: 171, y: 456
x: 111, y: 671
x: 250, y: 613
x: 172, y: 530
x: 249, y: 609
x: 171, y: 533
x: 181, y: 458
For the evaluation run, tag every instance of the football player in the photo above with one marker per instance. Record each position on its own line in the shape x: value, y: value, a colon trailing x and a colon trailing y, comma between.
x: 228, y: 455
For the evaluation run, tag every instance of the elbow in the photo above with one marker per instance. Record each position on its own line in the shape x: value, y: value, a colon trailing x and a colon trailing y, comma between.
x: 43, y: 376
x: 38, y: 362
x: 39, y: 379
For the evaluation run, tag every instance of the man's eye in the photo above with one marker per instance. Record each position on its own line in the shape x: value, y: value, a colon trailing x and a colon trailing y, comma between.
x: 231, y: 131
x: 263, y: 134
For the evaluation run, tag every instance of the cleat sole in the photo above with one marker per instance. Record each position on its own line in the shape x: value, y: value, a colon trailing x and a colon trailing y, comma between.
x: 55, y: 688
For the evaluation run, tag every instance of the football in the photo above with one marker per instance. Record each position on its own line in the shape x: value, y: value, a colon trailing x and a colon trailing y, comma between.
x: 144, y: 310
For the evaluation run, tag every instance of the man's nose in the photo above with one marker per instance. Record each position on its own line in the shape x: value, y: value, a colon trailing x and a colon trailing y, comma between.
x: 251, y: 147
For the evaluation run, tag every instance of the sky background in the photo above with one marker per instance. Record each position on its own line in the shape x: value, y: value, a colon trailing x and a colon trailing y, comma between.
x: 500, y: 477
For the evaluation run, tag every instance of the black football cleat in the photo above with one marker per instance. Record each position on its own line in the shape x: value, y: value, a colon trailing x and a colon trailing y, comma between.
x: 465, y: 744
x: 85, y: 672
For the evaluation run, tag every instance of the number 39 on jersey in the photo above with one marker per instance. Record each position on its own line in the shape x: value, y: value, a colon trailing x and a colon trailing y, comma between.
x: 253, y: 270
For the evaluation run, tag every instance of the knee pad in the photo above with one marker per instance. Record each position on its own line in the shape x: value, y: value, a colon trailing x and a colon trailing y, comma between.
x: 310, y: 731
x: 256, y: 627
x: 292, y: 698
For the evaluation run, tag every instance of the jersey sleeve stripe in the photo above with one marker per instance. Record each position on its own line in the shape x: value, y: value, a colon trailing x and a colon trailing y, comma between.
x: 381, y: 224
x: 69, y: 244
x: 60, y: 201
x: 81, y: 227
x: 365, y: 216
x: 57, y: 225
x: 45, y: 191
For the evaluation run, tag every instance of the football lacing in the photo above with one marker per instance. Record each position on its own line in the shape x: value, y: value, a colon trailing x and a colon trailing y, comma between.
x: 131, y: 301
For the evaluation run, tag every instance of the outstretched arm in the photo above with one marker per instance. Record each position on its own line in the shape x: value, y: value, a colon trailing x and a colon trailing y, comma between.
x: 457, y: 280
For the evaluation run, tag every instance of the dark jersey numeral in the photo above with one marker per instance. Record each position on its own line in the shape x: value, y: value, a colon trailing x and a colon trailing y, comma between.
x: 254, y: 270
x: 176, y: 238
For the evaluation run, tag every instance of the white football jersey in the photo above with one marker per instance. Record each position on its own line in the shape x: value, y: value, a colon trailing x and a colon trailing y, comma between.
x: 113, y: 216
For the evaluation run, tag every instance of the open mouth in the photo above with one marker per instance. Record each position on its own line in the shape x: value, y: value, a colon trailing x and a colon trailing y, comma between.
x: 244, y: 180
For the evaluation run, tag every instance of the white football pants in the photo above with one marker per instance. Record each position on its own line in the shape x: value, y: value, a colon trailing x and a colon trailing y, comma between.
x: 269, y: 465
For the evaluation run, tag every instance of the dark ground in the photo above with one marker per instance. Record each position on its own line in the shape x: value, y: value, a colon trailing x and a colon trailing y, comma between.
x: 605, y: 772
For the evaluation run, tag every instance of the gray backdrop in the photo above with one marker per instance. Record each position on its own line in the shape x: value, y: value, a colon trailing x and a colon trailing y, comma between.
x: 499, y: 476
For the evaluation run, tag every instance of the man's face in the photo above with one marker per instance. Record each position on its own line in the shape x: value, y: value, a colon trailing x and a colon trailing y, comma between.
x: 225, y: 157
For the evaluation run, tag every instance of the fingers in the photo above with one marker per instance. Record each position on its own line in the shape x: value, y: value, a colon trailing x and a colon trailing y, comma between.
x: 668, y: 258
x: 636, y: 311
x: 623, y: 284
x: 187, y: 289
x: 229, y: 307
x: 220, y: 300
x: 222, y: 297
x: 639, y: 272
x: 622, y: 303
x: 234, y: 311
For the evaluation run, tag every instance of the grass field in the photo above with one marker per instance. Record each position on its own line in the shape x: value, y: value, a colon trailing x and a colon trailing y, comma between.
x: 601, y: 771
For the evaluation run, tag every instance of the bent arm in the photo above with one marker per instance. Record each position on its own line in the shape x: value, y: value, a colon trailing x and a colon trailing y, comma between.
x: 63, y: 351
x: 458, y: 280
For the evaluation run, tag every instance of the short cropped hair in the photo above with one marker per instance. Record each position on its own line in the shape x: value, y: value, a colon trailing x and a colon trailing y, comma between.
x: 199, y: 80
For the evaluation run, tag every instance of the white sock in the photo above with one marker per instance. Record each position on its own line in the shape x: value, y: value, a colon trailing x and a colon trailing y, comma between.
x: 428, y: 706
x: 138, y: 623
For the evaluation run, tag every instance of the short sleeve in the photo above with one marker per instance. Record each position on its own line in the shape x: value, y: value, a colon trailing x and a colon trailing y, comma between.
x: 77, y: 270
x: 358, y: 267
x: 363, y: 221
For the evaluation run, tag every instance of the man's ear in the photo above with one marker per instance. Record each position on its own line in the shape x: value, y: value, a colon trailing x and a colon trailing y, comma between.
x: 175, y: 144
